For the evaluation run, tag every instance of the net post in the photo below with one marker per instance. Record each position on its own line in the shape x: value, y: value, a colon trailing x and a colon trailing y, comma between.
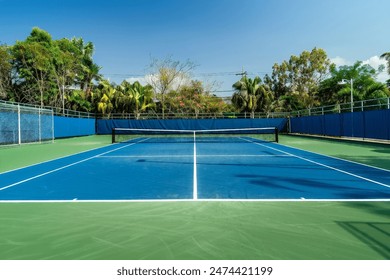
x: 113, y: 135
x: 276, y: 135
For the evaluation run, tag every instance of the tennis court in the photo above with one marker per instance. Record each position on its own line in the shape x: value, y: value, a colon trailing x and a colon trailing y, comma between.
x: 142, y: 203
x: 234, y: 167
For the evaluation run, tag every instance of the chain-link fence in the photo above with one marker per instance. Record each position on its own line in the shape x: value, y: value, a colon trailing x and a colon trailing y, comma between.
x: 22, y: 124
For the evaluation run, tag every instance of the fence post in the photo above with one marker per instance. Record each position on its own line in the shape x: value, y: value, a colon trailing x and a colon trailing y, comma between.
x: 39, y: 126
x: 19, y: 128
x: 52, y: 126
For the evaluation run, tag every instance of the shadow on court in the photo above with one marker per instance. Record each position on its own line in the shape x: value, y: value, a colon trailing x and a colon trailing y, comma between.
x: 375, y: 235
x: 312, y: 187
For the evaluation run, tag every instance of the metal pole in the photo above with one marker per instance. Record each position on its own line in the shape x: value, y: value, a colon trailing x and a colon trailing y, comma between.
x: 19, y: 127
x: 351, y: 95
x: 39, y: 126
x: 52, y: 126
x: 352, y: 107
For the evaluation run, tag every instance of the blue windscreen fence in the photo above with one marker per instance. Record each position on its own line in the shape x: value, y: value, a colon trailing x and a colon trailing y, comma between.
x: 71, y: 127
x: 106, y: 126
x: 366, y: 124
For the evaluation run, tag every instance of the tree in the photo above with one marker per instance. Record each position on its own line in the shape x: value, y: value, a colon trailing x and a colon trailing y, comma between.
x: 365, y: 85
x: 142, y: 98
x: 52, y: 72
x: 124, y: 98
x: 5, y: 71
x: 88, y: 70
x: 296, y: 81
x: 107, y: 99
x: 134, y: 98
x: 78, y: 101
x: 193, y: 100
x: 65, y: 63
x: 386, y: 56
x: 32, y: 61
x: 167, y: 75
x: 250, y: 95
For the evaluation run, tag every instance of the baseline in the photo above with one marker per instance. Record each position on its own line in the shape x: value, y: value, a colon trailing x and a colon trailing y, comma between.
x: 198, y: 200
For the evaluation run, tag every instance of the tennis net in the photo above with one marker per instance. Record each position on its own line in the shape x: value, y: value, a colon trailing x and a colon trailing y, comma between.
x: 126, y: 135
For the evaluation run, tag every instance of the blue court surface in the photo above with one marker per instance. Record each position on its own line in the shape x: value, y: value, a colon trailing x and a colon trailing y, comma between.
x: 207, y: 170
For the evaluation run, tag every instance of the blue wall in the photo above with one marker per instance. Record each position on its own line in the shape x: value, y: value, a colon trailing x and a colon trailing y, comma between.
x: 106, y: 126
x: 367, y: 124
x: 70, y: 127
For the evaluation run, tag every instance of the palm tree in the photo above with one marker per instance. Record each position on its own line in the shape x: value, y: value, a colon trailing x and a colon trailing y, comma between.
x: 105, y: 105
x: 248, y: 94
x: 142, y: 98
x: 124, y: 100
x: 88, y: 70
x: 386, y: 56
x: 133, y: 97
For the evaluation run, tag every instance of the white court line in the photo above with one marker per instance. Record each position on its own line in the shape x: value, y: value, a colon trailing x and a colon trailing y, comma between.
x: 148, y: 156
x: 198, y: 200
x: 321, y: 164
x: 179, y: 156
x: 42, y: 162
x: 342, y: 159
x: 66, y: 166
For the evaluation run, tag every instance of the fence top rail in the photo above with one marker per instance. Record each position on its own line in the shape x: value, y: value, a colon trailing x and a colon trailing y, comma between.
x: 55, y: 110
x: 361, y: 105
x: 23, y: 107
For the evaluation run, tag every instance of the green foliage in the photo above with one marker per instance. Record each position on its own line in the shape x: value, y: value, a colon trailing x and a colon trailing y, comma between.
x: 386, y: 56
x: 365, y: 85
x: 295, y: 83
x: 193, y: 100
x: 5, y: 71
x: 134, y: 98
x: 307, y: 81
x: 62, y: 73
x: 49, y: 71
x: 168, y: 75
x: 251, y: 95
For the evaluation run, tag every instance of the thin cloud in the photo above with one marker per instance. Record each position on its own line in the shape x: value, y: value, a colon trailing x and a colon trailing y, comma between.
x: 375, y: 62
x: 340, y: 61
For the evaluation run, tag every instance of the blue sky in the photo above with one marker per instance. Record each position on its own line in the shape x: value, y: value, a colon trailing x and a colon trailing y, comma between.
x: 220, y: 36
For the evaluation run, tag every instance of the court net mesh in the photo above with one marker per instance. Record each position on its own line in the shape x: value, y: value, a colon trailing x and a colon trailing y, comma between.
x: 128, y: 135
